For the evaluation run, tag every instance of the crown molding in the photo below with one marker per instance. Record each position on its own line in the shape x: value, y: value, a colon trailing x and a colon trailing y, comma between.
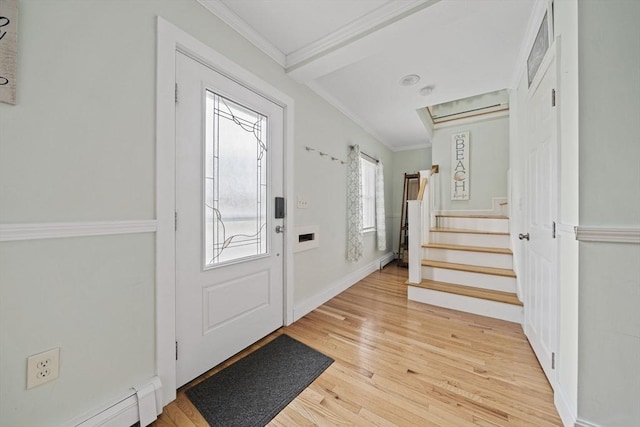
x: 411, y: 147
x: 347, y: 112
x: 379, y: 18
x: 234, y: 21
x: 376, y: 19
x: 318, y: 89
x: 366, y: 24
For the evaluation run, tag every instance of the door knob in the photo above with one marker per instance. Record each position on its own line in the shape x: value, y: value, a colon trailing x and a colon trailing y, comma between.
x: 523, y: 236
x: 279, y: 228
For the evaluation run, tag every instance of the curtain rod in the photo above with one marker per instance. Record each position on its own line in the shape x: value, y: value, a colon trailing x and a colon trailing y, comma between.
x: 362, y: 153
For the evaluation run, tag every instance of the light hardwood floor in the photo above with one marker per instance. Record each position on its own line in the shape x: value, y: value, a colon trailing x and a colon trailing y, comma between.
x: 403, y: 363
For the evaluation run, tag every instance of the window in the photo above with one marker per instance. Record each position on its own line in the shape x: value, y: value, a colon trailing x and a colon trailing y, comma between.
x: 368, y: 191
x: 235, y: 208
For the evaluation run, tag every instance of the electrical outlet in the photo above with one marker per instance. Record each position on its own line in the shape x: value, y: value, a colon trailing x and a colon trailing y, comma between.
x: 43, y: 367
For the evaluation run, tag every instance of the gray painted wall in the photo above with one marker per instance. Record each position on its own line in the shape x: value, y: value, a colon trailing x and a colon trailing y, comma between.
x: 609, y: 191
x: 80, y: 146
x: 489, y: 162
x: 598, y: 374
x: 323, y: 184
x: 409, y: 161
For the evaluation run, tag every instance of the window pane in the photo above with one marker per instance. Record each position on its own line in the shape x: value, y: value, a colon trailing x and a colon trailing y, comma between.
x: 368, y: 194
x: 235, y: 181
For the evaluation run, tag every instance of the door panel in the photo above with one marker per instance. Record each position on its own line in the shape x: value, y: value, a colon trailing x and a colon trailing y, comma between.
x: 229, y: 268
x: 541, y: 282
x: 235, y: 299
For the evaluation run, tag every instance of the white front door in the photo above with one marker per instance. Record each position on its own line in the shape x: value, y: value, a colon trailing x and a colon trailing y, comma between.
x: 541, y: 277
x: 229, y: 257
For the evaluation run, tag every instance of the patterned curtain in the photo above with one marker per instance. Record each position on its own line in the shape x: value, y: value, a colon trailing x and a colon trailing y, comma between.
x: 354, y: 206
x: 380, y: 216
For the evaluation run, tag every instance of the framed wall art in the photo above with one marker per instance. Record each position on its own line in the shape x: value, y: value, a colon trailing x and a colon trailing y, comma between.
x: 460, y: 178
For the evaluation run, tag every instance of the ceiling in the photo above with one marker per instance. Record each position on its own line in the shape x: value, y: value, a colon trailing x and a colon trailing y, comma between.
x: 354, y: 53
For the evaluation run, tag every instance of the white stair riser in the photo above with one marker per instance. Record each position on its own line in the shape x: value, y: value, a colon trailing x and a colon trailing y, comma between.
x: 494, y: 309
x: 485, y: 259
x: 471, y: 239
x: 467, y: 278
x: 500, y: 225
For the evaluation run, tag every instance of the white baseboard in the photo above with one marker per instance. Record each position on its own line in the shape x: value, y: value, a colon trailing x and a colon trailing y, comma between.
x: 567, y: 413
x: 582, y: 423
x: 307, y: 306
x: 125, y: 412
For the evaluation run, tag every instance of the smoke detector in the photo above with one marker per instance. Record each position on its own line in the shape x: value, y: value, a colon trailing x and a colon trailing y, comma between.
x: 409, y: 80
x: 427, y: 90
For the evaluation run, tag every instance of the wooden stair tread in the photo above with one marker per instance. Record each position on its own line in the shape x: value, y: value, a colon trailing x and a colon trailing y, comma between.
x: 470, y: 268
x: 473, y: 216
x: 469, y: 291
x: 462, y: 230
x: 504, y: 251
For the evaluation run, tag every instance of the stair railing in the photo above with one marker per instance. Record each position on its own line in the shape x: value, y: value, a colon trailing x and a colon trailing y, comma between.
x: 434, y: 195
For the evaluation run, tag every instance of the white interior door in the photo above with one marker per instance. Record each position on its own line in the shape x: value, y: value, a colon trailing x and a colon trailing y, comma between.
x: 229, y: 257
x: 541, y: 255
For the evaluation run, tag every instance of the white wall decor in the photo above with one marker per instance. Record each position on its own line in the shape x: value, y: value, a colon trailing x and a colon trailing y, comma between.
x: 8, y: 50
x: 460, y: 178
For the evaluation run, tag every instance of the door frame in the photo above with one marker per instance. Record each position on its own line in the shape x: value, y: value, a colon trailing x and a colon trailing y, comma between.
x: 171, y: 39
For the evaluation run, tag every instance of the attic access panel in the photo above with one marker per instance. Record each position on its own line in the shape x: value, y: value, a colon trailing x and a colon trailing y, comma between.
x: 468, y: 107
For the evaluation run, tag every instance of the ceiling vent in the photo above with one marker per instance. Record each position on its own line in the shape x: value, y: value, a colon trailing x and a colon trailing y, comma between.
x: 488, y: 103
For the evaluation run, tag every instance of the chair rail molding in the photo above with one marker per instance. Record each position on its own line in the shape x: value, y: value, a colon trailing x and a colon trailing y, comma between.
x: 58, y: 230
x: 607, y: 234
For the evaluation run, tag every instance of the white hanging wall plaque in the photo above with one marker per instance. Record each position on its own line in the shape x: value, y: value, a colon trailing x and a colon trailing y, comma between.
x: 460, y: 166
x: 8, y: 50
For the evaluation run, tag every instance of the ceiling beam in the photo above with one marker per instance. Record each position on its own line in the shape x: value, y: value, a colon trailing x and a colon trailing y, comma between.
x: 351, y: 43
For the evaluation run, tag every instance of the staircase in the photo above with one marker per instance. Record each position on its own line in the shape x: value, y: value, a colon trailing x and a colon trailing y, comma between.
x: 466, y: 265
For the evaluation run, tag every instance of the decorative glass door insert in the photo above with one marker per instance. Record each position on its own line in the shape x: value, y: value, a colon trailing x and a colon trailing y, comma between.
x: 235, y: 202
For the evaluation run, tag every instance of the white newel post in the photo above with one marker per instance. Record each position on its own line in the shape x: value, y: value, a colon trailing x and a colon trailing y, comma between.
x: 420, y: 223
x: 414, y: 211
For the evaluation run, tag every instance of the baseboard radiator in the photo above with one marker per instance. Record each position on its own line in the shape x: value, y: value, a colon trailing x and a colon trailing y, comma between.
x: 387, y: 259
x: 143, y: 405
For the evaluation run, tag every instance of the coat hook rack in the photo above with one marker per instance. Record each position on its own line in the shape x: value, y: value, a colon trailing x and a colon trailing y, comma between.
x: 323, y: 154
